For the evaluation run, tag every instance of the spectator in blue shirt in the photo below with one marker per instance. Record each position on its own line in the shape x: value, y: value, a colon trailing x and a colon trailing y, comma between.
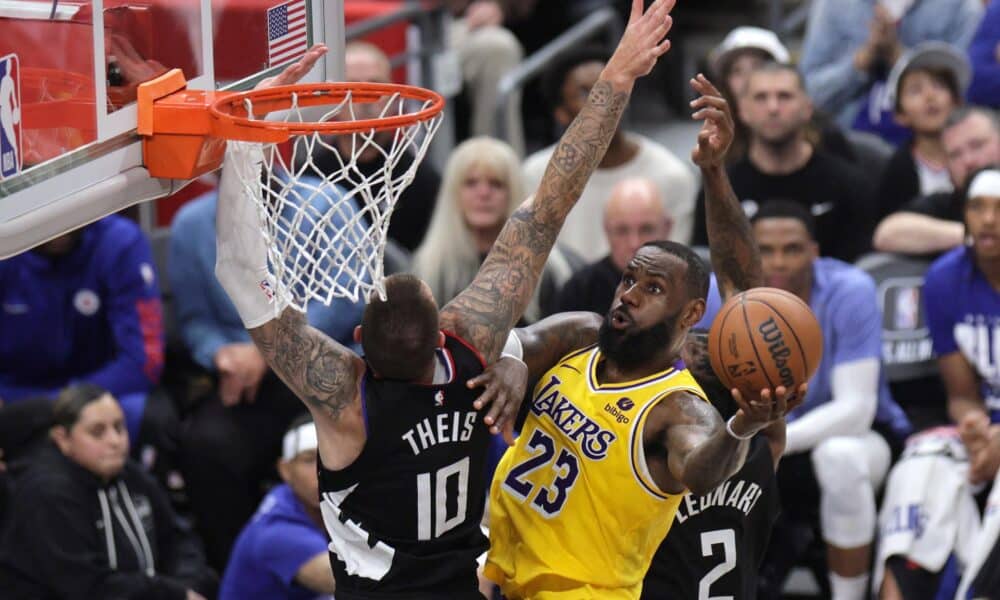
x: 984, y: 54
x: 230, y: 442
x: 84, y: 307
x: 963, y: 314
x: 834, y: 458
x: 851, y: 45
x: 282, y: 554
x: 963, y: 308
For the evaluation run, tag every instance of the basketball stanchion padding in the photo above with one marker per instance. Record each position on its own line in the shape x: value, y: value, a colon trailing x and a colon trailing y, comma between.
x: 325, y: 229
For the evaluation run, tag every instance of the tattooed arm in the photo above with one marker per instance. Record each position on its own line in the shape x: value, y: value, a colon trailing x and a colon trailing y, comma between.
x: 552, y: 338
x: 485, y: 311
x: 735, y: 257
x: 324, y: 375
x: 700, y: 452
x: 320, y: 371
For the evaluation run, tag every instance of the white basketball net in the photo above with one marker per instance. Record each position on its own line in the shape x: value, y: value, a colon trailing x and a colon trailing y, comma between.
x: 326, y: 230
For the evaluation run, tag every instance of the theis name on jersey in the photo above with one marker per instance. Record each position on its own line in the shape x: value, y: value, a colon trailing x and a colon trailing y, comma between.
x: 738, y: 494
x: 592, y: 439
x: 455, y: 426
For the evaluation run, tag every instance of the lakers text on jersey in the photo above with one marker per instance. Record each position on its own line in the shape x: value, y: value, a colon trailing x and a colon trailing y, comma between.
x: 574, y: 512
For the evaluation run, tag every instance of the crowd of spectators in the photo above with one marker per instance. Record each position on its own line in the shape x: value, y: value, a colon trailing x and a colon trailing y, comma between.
x: 86, y: 422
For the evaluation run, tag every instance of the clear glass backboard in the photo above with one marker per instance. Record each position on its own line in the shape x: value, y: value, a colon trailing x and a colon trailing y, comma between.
x: 69, y: 69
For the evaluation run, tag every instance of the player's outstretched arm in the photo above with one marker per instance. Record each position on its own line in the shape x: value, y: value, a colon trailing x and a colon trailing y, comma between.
x: 485, y: 311
x: 702, y: 451
x: 735, y: 257
x: 542, y: 345
x: 320, y: 371
x: 552, y: 338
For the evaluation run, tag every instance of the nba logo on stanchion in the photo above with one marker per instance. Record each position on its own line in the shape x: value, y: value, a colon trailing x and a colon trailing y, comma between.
x: 10, y: 116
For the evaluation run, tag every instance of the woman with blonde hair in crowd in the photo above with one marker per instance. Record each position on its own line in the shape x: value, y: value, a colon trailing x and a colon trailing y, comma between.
x: 481, y: 187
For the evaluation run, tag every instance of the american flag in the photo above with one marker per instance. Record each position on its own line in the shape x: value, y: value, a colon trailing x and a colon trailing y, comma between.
x: 287, y: 34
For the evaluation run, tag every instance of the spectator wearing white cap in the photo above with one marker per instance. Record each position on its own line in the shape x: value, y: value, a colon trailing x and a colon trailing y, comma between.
x: 927, y: 84
x: 746, y: 49
x: 281, y: 554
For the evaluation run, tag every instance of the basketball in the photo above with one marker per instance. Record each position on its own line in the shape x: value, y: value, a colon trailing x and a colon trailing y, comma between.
x: 765, y: 338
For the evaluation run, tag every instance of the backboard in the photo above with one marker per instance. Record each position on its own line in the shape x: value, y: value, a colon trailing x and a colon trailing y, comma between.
x: 69, y: 153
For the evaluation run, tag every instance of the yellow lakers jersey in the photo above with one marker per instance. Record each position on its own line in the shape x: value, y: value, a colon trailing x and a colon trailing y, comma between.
x: 574, y: 512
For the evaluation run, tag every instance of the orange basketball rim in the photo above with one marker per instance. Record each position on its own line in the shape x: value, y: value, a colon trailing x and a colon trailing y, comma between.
x: 185, y: 131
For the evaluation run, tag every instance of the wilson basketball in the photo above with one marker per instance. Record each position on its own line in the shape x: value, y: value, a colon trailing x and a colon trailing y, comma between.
x: 763, y: 338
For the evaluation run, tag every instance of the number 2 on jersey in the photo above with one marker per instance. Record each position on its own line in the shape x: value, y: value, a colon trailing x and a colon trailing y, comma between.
x: 548, y: 501
x: 720, y: 537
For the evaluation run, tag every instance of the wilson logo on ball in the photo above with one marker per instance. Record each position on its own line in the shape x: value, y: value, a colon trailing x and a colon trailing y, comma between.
x: 771, y: 333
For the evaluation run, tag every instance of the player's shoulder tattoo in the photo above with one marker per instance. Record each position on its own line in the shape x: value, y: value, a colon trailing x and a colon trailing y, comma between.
x: 321, y: 372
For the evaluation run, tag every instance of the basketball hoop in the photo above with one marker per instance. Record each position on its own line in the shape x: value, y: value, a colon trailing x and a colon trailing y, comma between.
x: 325, y: 231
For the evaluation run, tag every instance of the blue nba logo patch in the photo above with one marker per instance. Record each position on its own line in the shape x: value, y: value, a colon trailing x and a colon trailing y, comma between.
x: 10, y: 116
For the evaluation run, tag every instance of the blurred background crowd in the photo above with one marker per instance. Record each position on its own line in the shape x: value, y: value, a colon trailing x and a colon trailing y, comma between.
x: 866, y: 155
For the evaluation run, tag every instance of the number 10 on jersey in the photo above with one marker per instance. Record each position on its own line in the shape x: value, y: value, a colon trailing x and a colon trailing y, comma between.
x: 434, y: 524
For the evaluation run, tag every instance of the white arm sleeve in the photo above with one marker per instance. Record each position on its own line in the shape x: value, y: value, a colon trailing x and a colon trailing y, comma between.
x: 241, y: 252
x: 851, y: 411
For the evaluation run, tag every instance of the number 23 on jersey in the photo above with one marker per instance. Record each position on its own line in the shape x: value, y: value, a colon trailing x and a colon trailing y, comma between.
x: 549, y: 499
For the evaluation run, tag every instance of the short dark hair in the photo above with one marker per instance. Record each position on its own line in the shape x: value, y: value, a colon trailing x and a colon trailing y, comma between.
x: 941, y: 74
x: 962, y: 113
x: 696, y: 278
x: 399, y: 335
x: 786, y: 209
x: 72, y: 400
x: 555, y: 78
x: 777, y: 67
